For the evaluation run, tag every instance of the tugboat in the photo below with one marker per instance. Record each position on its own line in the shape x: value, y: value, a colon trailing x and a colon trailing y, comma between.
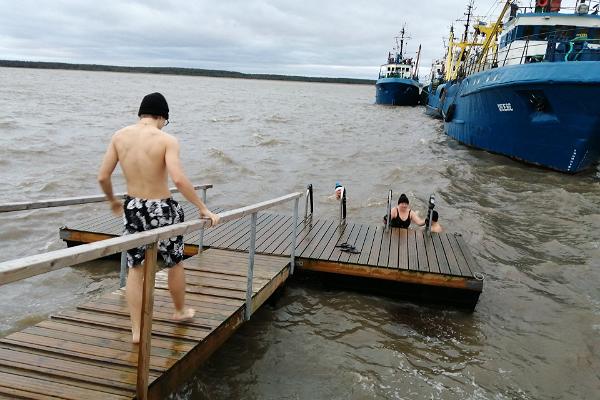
x: 398, y: 83
x: 529, y: 86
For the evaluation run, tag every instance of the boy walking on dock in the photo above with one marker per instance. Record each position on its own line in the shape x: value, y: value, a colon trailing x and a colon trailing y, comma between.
x: 148, y: 156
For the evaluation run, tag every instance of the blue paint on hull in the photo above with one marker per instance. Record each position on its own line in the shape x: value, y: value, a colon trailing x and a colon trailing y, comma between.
x: 397, y: 92
x: 546, y: 114
x: 435, y: 101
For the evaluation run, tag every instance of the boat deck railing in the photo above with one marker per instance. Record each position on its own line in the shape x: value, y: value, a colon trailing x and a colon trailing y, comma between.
x: 555, y: 46
x: 26, y: 267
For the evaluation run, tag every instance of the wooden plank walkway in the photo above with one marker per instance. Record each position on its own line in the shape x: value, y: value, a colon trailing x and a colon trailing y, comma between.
x: 87, y: 353
x: 409, y: 256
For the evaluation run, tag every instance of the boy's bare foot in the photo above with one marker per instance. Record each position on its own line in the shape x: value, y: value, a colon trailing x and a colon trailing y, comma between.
x: 186, y: 315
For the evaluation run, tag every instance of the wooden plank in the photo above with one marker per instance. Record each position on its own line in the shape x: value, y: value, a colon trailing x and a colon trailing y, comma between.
x: 286, y: 245
x: 239, y: 231
x: 367, y: 247
x: 384, y: 252
x: 398, y: 275
x: 284, y: 238
x: 352, y: 240
x: 310, y: 235
x: 411, y: 244
x: 403, y: 262
x: 326, y: 247
x: 159, y: 328
x: 111, y: 334
x: 462, y: 263
x: 263, y: 233
x: 243, y: 235
x: 421, y: 252
x: 63, y: 347
x: 360, y: 244
x: 91, y: 338
x: 374, y: 256
x: 283, y: 230
x: 143, y: 365
x: 336, y: 251
x: 473, y: 267
x: 430, y: 252
x: 440, y: 254
x: 214, y: 233
x: 17, y: 385
x: 319, y: 237
x: 452, y: 261
x: 69, y: 381
x: 397, y: 255
x: 46, y: 364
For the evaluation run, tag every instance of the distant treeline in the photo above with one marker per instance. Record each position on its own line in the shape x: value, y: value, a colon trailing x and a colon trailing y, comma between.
x: 178, y: 71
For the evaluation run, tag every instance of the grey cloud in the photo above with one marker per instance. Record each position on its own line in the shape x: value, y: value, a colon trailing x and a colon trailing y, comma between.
x: 327, y: 38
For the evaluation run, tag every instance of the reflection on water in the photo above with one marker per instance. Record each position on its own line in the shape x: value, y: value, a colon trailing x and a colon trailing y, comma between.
x: 534, y: 232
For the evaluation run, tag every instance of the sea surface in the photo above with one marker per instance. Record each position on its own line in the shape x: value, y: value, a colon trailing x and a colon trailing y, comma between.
x: 535, y: 333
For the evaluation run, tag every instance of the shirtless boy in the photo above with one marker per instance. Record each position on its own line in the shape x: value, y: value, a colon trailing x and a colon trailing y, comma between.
x: 147, y: 156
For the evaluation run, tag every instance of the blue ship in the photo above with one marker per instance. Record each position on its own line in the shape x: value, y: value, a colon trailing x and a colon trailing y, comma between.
x: 531, y: 91
x: 398, y: 83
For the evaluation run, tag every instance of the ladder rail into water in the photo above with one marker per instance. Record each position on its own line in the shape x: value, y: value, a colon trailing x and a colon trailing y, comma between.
x: 22, y: 268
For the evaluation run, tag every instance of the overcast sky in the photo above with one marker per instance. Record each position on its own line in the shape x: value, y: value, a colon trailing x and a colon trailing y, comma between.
x: 335, y: 38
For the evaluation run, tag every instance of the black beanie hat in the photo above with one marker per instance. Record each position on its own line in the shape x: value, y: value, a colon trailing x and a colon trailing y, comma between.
x: 403, y: 199
x: 154, y: 104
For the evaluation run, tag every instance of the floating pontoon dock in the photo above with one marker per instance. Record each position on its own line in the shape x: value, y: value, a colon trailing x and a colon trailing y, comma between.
x: 434, y: 266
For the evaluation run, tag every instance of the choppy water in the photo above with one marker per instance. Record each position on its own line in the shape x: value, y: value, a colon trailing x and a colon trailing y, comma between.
x: 534, y: 335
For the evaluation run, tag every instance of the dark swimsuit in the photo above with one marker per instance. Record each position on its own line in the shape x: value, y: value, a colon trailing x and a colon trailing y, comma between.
x: 400, y: 223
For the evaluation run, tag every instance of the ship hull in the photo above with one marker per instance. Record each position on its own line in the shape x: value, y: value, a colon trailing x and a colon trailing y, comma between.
x: 546, y: 114
x: 397, y: 92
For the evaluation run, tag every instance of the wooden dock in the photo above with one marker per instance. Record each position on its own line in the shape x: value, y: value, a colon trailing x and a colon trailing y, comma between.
x: 87, y: 353
x: 440, y: 263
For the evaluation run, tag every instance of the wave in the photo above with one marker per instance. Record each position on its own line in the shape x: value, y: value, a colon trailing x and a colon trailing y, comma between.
x: 277, y: 119
x: 226, y: 119
x: 263, y: 141
x: 221, y: 156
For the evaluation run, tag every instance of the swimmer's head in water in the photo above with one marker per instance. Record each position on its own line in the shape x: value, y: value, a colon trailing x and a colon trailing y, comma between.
x: 154, y: 104
x: 338, y: 185
x: 403, y: 199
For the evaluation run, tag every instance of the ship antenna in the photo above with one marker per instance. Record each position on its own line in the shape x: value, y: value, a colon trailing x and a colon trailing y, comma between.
x: 402, y: 43
x: 468, y: 14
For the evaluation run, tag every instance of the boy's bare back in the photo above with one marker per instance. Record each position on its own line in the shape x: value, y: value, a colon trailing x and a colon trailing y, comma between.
x: 141, y: 150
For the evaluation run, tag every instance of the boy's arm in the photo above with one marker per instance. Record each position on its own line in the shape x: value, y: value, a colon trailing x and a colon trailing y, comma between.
x: 107, y: 167
x: 184, y: 185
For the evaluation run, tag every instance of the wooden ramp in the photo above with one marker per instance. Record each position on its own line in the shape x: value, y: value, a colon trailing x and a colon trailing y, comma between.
x: 87, y: 353
x: 412, y: 257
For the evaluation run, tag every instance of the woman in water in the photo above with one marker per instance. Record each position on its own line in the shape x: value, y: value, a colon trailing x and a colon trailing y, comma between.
x: 402, y: 215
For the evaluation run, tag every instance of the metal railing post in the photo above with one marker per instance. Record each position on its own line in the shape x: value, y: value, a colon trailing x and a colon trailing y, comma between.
x: 343, y: 208
x: 389, y: 211
x: 293, y: 255
x: 123, y: 273
x: 143, y: 367
x: 309, y: 197
x: 251, y: 266
x: 201, y: 233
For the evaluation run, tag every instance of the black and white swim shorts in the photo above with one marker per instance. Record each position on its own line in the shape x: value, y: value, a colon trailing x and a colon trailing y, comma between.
x: 146, y: 214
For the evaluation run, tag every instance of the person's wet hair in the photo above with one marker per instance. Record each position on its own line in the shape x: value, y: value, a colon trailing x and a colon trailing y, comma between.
x: 403, y: 199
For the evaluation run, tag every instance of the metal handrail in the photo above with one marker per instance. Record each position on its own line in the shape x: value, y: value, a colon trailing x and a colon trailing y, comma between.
x: 22, y: 268
x: 389, y: 210
x: 343, y: 207
x: 309, y: 198
x: 68, y: 201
